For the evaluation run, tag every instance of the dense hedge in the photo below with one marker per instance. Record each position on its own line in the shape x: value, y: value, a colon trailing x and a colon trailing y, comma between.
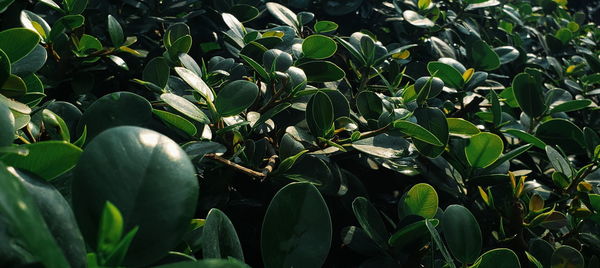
x: 357, y: 133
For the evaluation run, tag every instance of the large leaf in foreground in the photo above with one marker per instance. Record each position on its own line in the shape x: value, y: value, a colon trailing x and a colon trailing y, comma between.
x: 148, y: 177
x: 26, y: 221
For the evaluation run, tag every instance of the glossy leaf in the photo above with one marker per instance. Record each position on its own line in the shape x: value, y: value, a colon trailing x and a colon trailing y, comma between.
x: 421, y: 200
x: 219, y: 237
x: 462, y: 233
x: 236, y: 97
x: 369, y: 219
x: 483, y: 149
x: 48, y: 159
x: 185, y: 107
x: 528, y: 94
x: 17, y: 50
x: 148, y: 177
x: 26, y: 220
x: 322, y: 71
x: 318, y: 47
x: 296, y: 230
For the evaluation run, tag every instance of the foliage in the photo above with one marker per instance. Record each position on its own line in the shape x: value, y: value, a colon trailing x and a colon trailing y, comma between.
x: 359, y: 133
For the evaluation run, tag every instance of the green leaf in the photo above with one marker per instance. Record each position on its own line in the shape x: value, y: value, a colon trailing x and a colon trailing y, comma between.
x: 157, y: 71
x: 325, y: 26
x: 322, y: 71
x: 498, y: 257
x: 176, y: 121
x: 462, y: 233
x: 110, y: 229
x: 567, y: 257
x: 318, y: 47
x: 528, y: 94
x: 52, y: 120
x: 483, y: 149
x: 526, y: 137
x: 411, y: 233
x: 185, y: 107
x: 416, y: 132
x: 570, y: 106
x: 369, y: 105
x: 17, y: 50
x: 284, y: 15
x: 115, y: 31
x: 320, y: 115
x: 296, y: 230
x: 434, y: 121
x: 244, y: 12
x: 271, y: 113
x: 5, y: 4
x: 148, y: 177
x: 35, y: 23
x: 47, y: 159
x: 181, y: 45
x: 451, y: 77
x: 236, y: 97
x: 563, y: 133
x: 257, y: 67
x: 369, y: 219
x: 510, y: 155
x: 507, y: 54
x: 276, y: 60
x: 234, y: 24
x: 68, y: 22
x: 417, y: 20
x: 22, y: 215
x: 382, y: 145
x: 13, y: 87
x: 196, y: 83
x: 559, y: 163
x: 31, y: 63
x: 461, y: 127
x: 7, y: 126
x: 115, y: 109
x: 57, y: 215
x: 75, y: 6
x: 421, y: 200
x: 220, y: 239
x: 483, y: 56
x: 435, y: 235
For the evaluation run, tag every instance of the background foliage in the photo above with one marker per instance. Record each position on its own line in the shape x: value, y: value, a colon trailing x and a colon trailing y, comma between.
x: 359, y: 133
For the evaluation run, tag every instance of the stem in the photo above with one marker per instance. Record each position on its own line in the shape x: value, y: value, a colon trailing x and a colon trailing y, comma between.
x: 236, y: 166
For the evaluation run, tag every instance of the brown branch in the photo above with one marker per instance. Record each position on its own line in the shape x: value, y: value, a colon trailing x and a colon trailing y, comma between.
x: 237, y: 167
x: 270, y: 165
x: 250, y: 172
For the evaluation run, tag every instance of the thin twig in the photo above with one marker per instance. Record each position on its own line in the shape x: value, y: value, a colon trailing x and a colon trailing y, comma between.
x: 237, y: 167
x: 270, y: 165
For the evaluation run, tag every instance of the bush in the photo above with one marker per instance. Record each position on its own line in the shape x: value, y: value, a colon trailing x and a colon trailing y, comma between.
x: 359, y: 133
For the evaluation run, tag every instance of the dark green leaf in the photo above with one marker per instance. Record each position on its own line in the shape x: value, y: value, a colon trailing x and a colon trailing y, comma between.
x: 220, y: 239
x: 17, y: 50
x: 528, y: 94
x: 296, y: 231
x: 236, y: 97
x: 148, y: 178
x: 322, y: 71
x: 370, y: 220
x: 462, y: 233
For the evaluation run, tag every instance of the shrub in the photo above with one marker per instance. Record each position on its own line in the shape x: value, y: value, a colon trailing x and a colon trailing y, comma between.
x: 331, y: 133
